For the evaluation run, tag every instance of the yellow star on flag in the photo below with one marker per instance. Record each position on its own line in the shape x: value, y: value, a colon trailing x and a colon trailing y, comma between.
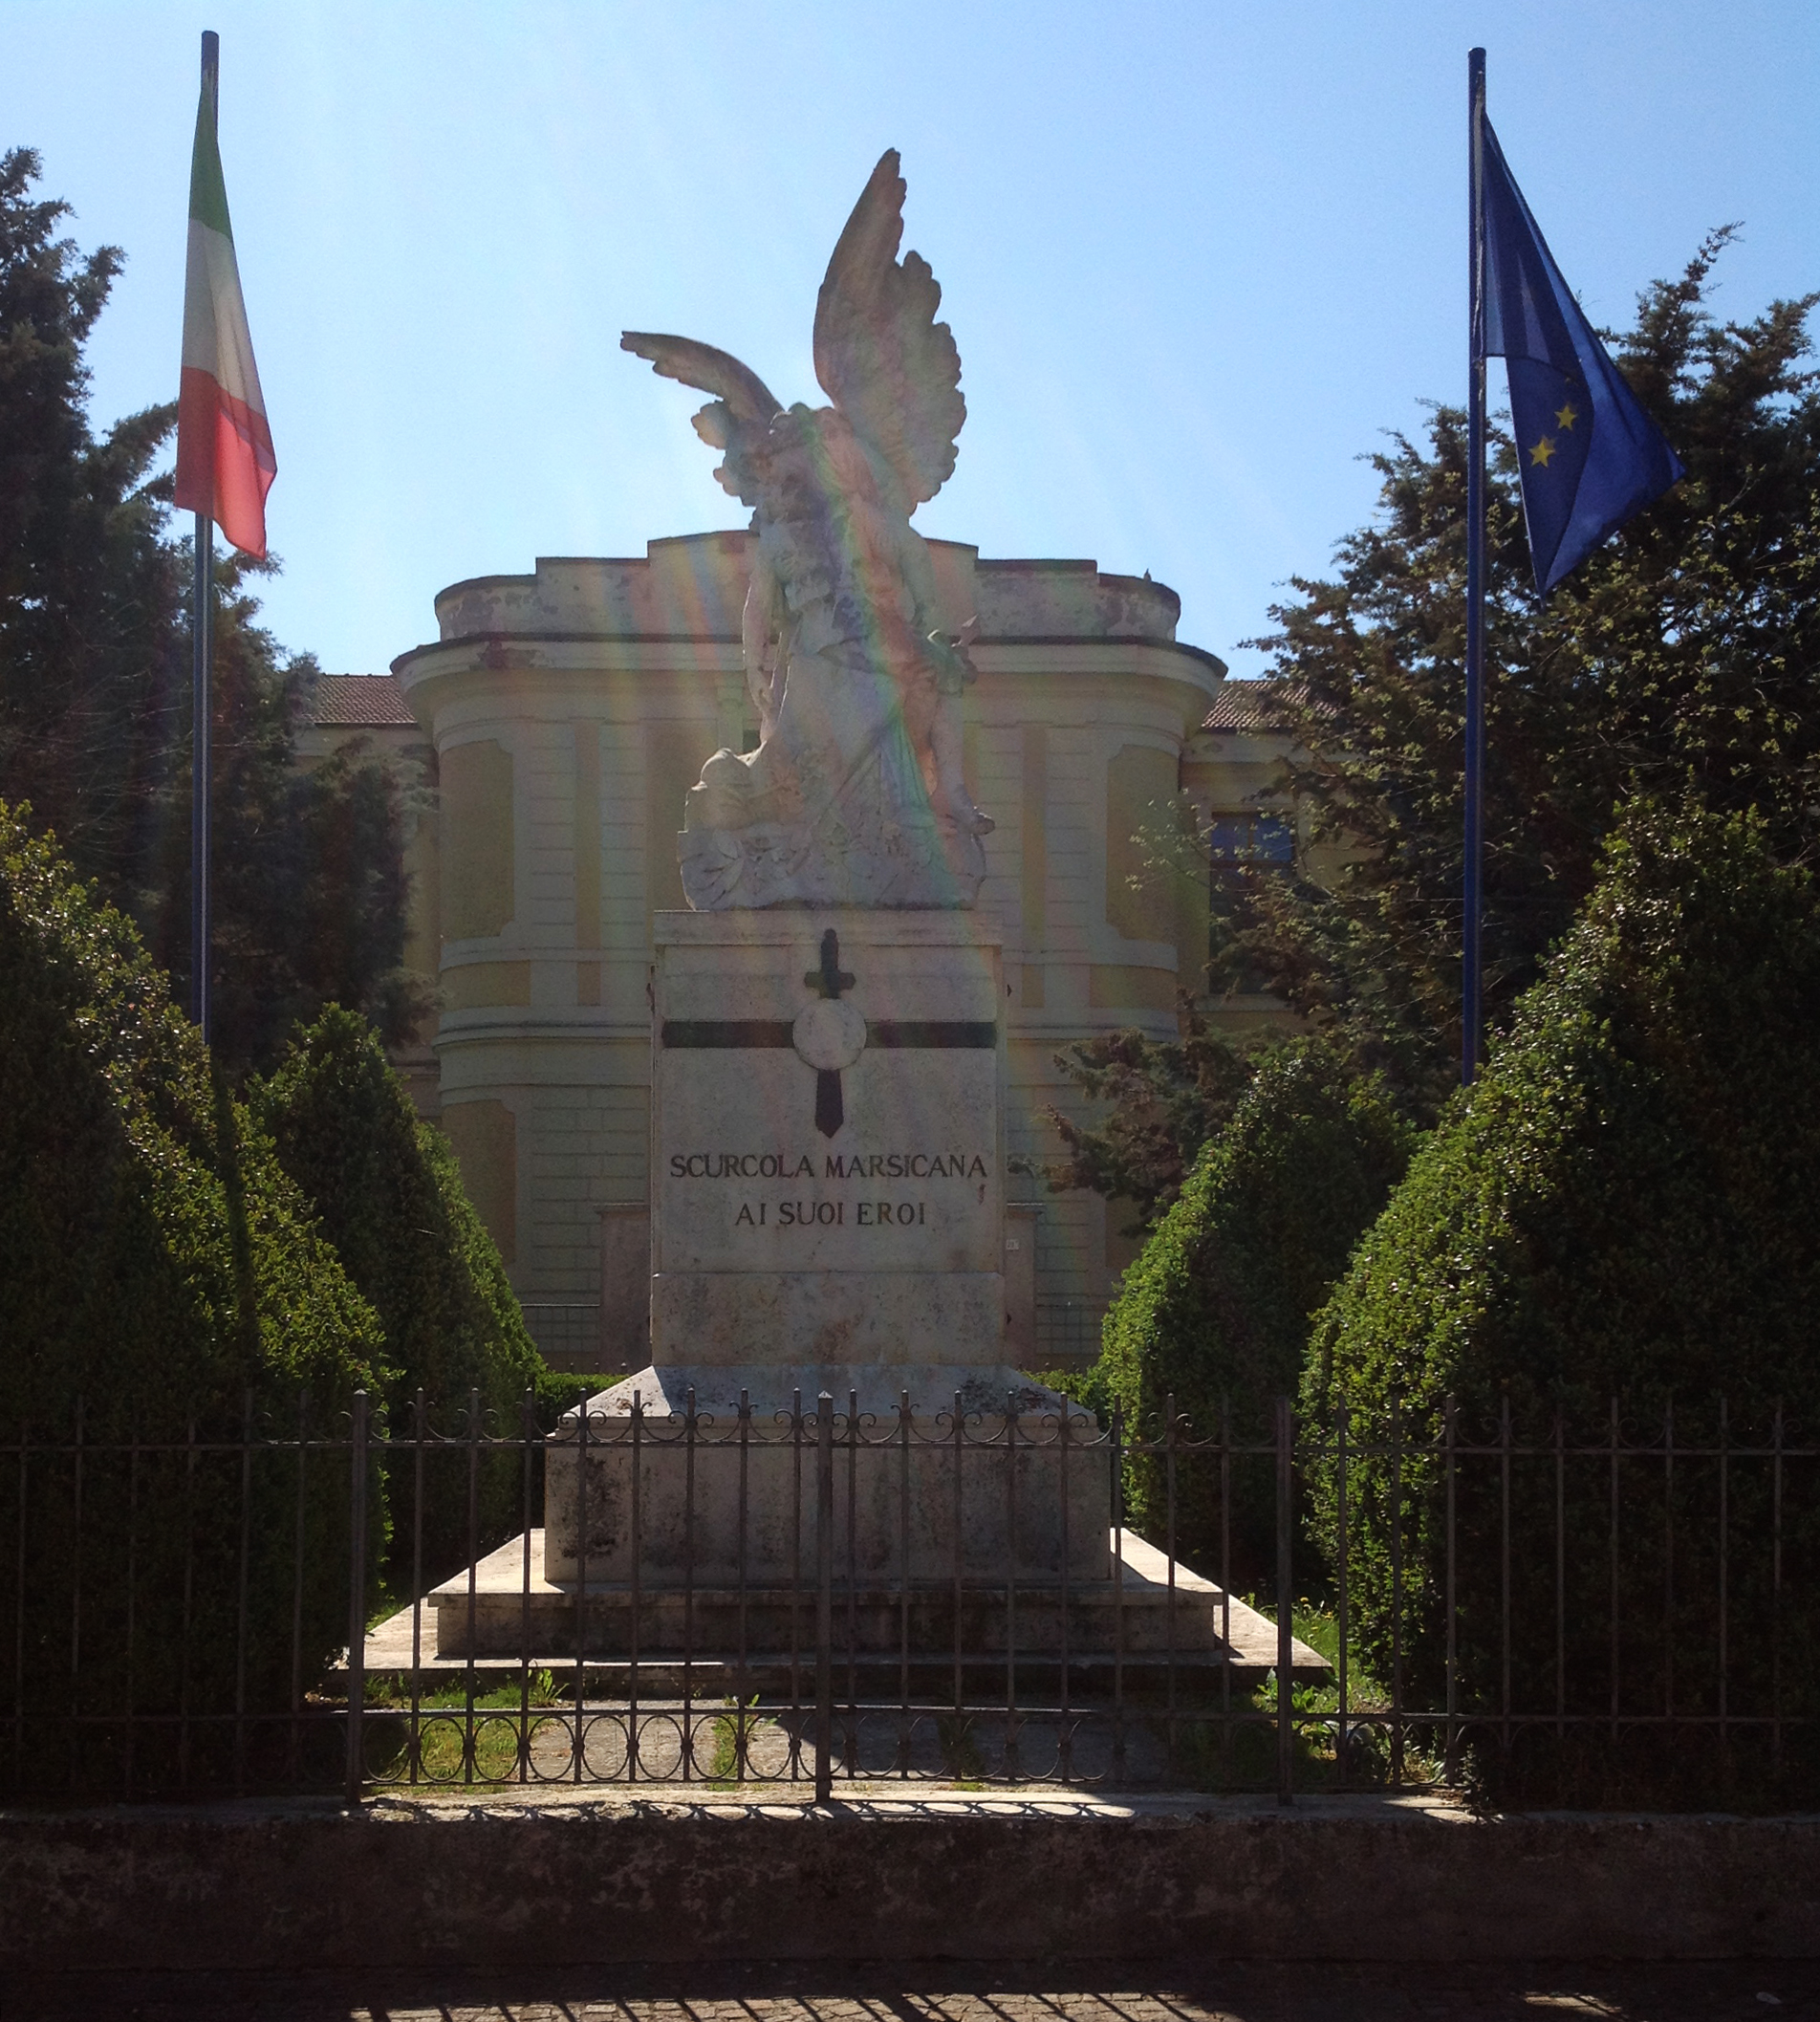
x: 1566, y: 417
x: 1542, y: 451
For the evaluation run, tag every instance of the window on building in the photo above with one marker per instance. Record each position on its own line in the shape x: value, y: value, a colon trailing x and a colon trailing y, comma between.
x: 1235, y: 843
x: 1265, y: 839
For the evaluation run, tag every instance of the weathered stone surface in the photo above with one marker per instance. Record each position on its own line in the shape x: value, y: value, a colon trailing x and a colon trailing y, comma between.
x: 807, y: 1213
x: 513, y: 1610
x: 828, y: 1317
x: 970, y: 1876
x: 905, y: 1517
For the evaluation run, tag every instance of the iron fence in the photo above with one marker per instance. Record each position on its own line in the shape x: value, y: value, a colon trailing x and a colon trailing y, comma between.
x: 827, y: 1595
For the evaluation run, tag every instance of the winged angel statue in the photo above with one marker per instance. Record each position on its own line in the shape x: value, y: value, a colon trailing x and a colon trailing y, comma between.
x: 855, y: 794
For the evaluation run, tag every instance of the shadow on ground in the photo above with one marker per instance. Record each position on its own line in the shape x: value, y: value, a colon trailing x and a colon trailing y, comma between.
x: 792, y: 1992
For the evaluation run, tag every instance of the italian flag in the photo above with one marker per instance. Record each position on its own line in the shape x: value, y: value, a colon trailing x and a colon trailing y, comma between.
x: 224, y: 465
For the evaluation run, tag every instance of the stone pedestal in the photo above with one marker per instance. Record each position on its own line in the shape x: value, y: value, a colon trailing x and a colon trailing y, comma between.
x: 827, y: 1215
x: 827, y: 1157
x: 723, y: 1494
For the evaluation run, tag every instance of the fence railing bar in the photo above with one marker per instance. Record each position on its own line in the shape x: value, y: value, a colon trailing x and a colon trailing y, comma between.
x: 957, y: 1547
x: 1170, y: 1432
x: 1226, y: 1582
x: 1560, y: 1565
x: 690, y: 1429
x: 187, y: 1644
x: 75, y: 1589
x: 356, y: 1602
x: 242, y: 1592
x: 742, y: 1742
x: 299, y: 1538
x: 1396, y: 1589
x: 579, y: 1764
x: 1065, y: 1726
x: 797, y: 1428
x: 527, y: 1431
x: 1775, y: 1592
x: 1341, y: 1465
x: 1504, y: 1571
x: 634, y: 1571
x: 471, y: 1676
x: 20, y: 1562
x: 1614, y: 1578
x: 1668, y: 1559
x: 1011, y: 1585
x: 1450, y: 1759
x: 903, y: 1585
x: 1284, y: 1606
x: 851, y: 1705
x: 824, y: 1595
x: 1117, y: 1458
x: 1724, y: 1578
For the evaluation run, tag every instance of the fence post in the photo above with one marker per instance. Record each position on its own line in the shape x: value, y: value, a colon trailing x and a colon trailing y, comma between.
x: 1285, y: 1611
x: 824, y: 1595
x: 357, y: 1599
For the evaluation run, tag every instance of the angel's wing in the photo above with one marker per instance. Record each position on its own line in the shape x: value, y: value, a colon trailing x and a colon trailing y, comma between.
x: 744, y: 402
x: 880, y: 355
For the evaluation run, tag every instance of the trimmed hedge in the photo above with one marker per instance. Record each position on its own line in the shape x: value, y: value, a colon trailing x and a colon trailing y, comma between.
x: 160, y: 1266
x: 1214, y: 1312
x: 1627, y: 1205
x: 389, y: 1196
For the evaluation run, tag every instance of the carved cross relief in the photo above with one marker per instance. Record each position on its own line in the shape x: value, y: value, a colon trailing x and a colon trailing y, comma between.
x: 828, y: 1034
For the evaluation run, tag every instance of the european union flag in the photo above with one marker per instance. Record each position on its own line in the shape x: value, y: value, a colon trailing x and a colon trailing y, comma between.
x: 1589, y: 457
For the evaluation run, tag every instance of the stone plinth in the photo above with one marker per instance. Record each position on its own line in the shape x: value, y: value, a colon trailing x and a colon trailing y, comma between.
x: 828, y: 1216
x: 1144, y: 1610
x: 1021, y: 1500
x: 827, y: 1149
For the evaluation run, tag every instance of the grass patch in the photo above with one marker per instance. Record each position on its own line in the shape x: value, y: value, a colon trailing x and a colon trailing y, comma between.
x: 484, y: 1742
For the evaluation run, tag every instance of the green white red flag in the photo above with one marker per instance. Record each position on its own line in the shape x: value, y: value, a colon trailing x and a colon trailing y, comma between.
x: 224, y: 465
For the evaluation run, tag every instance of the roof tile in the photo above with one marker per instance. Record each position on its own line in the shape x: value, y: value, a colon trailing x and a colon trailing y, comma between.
x: 369, y: 702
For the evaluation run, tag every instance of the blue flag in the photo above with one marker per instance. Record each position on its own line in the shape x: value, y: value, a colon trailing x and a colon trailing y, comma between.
x: 1588, y: 454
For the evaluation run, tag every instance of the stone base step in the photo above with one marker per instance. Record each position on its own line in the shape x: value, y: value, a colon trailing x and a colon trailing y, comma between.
x: 1134, y: 1619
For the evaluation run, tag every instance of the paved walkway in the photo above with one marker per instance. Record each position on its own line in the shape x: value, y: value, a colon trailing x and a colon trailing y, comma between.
x: 942, y: 1992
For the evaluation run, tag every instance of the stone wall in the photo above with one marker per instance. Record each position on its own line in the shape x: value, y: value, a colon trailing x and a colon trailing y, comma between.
x: 956, y: 1876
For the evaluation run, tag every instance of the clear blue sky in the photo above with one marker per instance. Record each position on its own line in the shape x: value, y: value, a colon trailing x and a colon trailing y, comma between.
x: 1195, y: 257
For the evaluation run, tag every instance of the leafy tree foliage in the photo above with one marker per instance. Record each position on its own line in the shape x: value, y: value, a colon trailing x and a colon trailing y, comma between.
x: 1627, y: 1206
x: 1167, y: 1100
x: 1213, y: 1318
x: 1683, y: 658
x: 94, y: 687
x: 162, y: 1275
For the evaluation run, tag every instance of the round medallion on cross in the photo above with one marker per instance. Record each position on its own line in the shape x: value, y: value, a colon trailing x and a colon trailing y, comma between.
x: 828, y: 1034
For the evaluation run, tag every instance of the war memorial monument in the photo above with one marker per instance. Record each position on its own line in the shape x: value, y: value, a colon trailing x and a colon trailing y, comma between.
x: 828, y: 1206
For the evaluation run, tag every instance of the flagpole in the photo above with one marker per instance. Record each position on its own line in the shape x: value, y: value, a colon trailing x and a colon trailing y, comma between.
x: 202, y: 629
x: 1472, y: 1011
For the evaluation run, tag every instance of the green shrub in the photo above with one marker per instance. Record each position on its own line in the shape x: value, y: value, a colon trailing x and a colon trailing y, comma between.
x: 386, y: 1190
x: 162, y: 1278
x: 1626, y: 1206
x: 1214, y: 1312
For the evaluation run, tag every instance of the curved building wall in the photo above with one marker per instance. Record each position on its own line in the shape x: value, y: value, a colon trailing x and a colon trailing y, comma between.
x: 570, y: 711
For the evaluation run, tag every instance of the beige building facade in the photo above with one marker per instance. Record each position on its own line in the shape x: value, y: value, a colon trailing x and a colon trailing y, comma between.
x: 560, y: 718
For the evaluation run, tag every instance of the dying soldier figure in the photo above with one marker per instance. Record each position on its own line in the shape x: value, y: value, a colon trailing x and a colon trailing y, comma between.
x: 855, y: 794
